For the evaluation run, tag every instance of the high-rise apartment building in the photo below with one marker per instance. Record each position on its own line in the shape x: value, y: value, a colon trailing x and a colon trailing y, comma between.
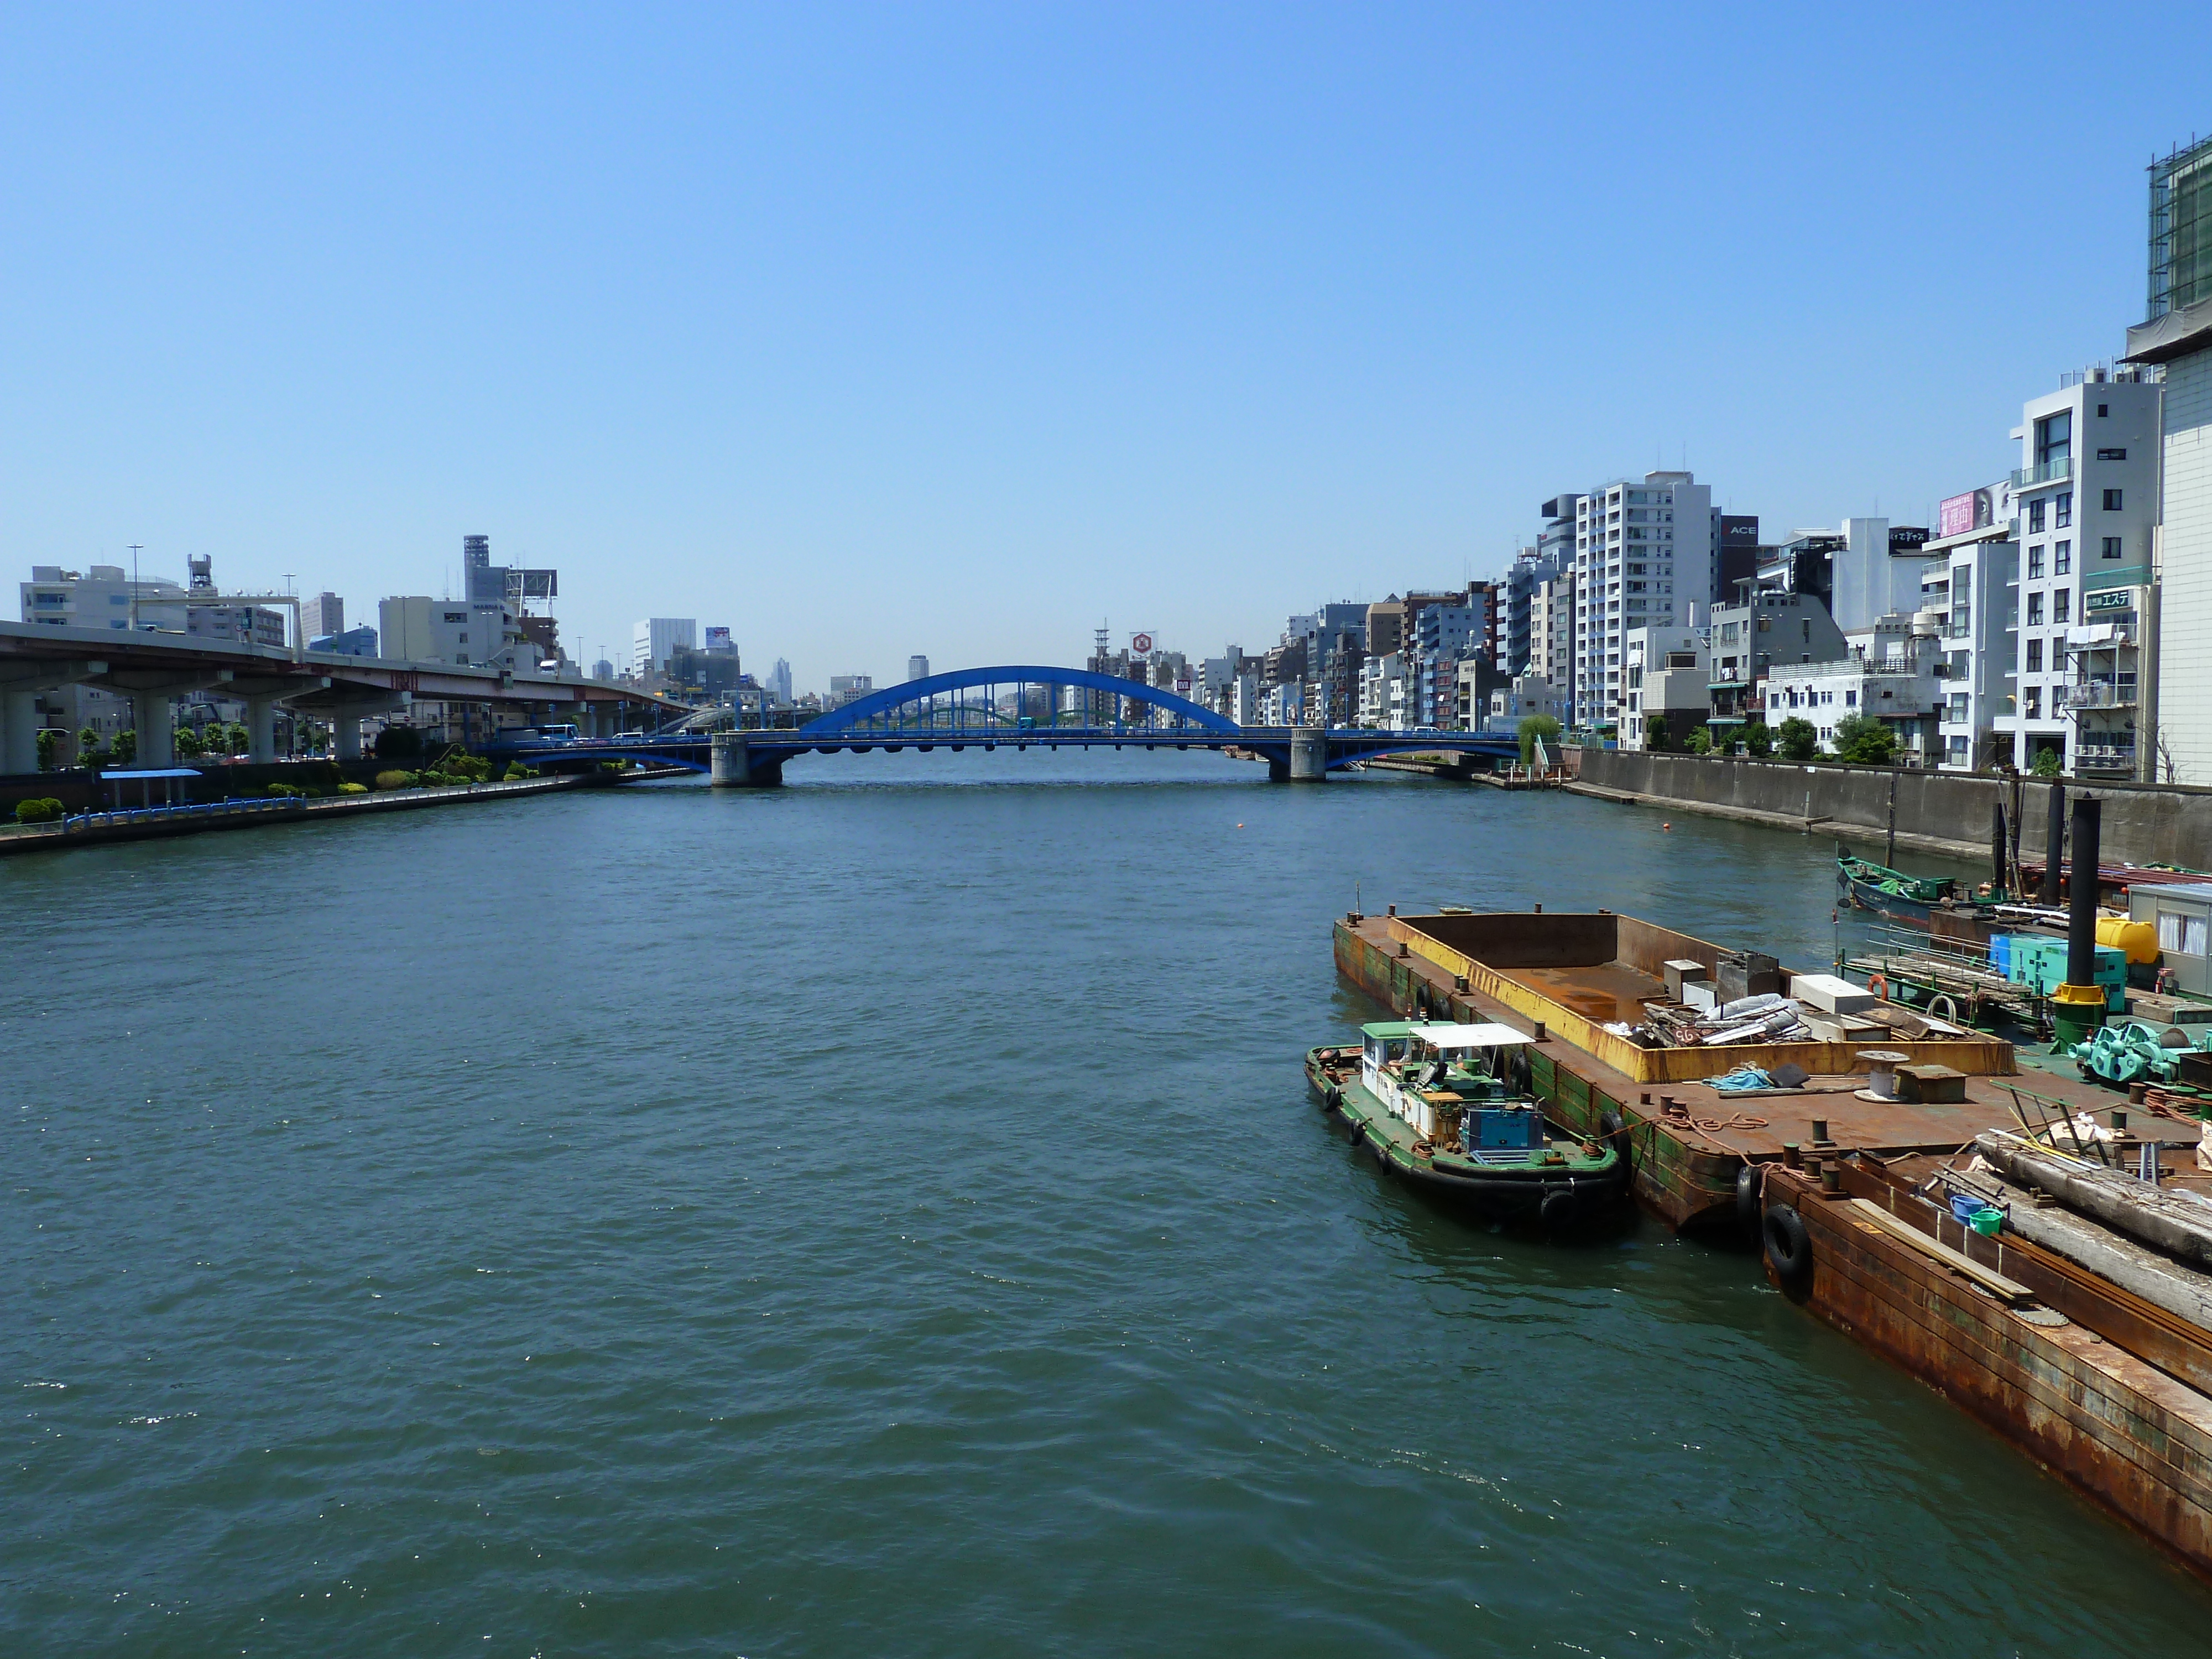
x: 2175, y: 730
x: 1644, y: 552
x: 1970, y: 584
x: 1530, y: 570
x: 2086, y: 496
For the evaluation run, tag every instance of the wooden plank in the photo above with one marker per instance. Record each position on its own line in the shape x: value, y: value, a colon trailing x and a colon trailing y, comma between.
x: 2011, y: 1289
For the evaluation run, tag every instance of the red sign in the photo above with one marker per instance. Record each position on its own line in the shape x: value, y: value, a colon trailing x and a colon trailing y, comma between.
x: 1141, y: 644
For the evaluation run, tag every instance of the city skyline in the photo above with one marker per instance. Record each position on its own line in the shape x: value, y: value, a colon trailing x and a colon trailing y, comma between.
x: 1193, y: 321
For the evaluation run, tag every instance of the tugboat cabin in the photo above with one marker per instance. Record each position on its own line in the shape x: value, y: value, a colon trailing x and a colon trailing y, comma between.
x: 1441, y: 1078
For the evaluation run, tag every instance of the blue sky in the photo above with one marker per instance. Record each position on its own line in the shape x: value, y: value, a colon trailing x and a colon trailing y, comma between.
x: 870, y: 330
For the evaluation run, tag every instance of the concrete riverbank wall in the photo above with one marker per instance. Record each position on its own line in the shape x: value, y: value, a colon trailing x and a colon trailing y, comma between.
x: 1946, y: 812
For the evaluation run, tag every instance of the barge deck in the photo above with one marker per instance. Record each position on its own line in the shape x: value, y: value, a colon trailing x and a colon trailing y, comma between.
x: 2107, y: 1391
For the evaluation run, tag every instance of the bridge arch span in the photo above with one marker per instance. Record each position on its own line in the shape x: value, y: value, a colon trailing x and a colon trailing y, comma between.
x: 872, y: 714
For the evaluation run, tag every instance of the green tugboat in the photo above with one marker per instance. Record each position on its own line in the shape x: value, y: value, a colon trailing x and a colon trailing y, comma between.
x: 1447, y: 1108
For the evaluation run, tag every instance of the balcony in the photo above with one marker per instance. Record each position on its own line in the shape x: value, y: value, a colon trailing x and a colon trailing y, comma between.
x: 2112, y: 757
x: 2100, y: 637
x: 2053, y: 471
x: 2102, y: 693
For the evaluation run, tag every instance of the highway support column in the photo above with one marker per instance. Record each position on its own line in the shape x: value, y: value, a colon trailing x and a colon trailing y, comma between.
x: 19, y: 707
x: 1309, y: 754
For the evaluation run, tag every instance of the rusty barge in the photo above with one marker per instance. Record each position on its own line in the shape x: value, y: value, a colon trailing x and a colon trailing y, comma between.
x: 1847, y: 1171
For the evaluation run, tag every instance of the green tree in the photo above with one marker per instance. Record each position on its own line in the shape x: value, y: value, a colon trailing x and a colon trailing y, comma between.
x: 1534, y: 726
x: 1799, y: 739
x: 50, y: 748
x: 1865, y: 741
x: 126, y: 748
x: 1757, y: 738
x: 189, y: 746
x: 2048, y: 764
x: 1700, y: 742
x: 87, y: 746
x: 236, y: 740
x: 1655, y: 731
x: 398, y: 743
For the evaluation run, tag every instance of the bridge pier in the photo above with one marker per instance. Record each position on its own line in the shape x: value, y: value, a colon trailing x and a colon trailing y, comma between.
x: 730, y: 765
x: 1309, y: 755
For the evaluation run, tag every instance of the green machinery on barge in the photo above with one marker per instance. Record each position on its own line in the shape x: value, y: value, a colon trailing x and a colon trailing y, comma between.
x: 1447, y: 1108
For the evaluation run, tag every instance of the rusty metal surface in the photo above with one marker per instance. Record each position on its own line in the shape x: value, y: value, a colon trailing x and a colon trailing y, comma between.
x: 1604, y: 991
x: 2125, y: 1433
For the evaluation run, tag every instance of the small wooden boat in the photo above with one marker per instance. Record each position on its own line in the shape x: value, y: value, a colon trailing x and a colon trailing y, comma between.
x: 1870, y: 886
x: 1447, y: 1108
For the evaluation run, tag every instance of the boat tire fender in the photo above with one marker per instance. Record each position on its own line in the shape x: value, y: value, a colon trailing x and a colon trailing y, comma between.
x: 1789, y: 1248
x: 1557, y: 1212
x: 1746, y: 1199
x: 1332, y: 1097
x: 1616, y: 1134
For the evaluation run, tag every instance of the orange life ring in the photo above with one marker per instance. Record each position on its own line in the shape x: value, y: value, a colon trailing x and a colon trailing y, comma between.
x: 1879, y: 984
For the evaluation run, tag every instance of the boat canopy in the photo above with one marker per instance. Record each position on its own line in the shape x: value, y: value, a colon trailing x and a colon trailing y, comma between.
x: 1388, y: 1028
x: 1441, y: 1037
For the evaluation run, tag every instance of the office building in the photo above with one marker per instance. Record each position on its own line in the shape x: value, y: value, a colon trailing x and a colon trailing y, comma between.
x: 322, y: 616
x: 917, y: 668
x: 347, y: 642
x: 655, y: 640
x: 779, y: 681
x: 846, y: 687
x: 2174, y: 610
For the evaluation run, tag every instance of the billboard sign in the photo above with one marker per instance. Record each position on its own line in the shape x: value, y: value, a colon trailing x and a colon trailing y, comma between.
x: 1141, y: 644
x: 1977, y: 509
x: 540, y: 584
x: 718, y: 638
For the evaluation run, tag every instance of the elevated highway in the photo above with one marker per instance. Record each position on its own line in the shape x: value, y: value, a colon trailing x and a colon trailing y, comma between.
x: 152, y: 668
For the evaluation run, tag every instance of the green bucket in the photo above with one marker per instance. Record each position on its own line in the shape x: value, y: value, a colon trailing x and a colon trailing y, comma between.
x: 1988, y: 1223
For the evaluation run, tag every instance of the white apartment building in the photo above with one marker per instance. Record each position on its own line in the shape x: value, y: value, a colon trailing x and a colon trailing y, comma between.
x: 1665, y: 673
x: 2178, y: 338
x: 1643, y: 551
x: 2087, y: 490
x: 1382, y: 692
x: 654, y: 640
x: 1970, y: 586
x: 415, y: 628
x: 102, y: 596
x: 1892, y: 677
x: 1529, y: 694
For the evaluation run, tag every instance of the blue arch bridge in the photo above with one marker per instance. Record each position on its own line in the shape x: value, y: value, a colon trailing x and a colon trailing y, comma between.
x: 1017, y: 707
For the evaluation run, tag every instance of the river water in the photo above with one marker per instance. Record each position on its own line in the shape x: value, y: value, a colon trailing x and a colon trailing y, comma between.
x: 885, y: 1216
